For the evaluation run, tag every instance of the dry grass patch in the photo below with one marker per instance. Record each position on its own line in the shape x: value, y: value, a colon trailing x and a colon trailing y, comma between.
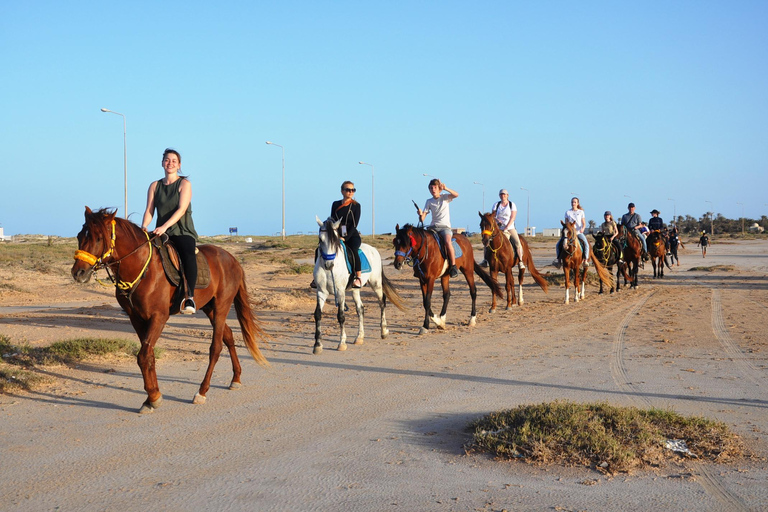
x: 607, y: 438
x: 714, y: 268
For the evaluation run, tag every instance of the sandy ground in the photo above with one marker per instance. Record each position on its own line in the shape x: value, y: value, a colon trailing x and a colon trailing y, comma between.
x: 382, y: 426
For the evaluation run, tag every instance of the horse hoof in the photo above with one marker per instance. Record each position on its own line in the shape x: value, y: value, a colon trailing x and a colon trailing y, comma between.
x: 149, y: 407
x: 492, y: 310
x: 384, y: 334
x: 318, y: 349
x: 199, y: 399
x: 473, y: 321
x: 359, y: 341
x: 342, y: 347
x: 423, y: 331
x: 235, y: 385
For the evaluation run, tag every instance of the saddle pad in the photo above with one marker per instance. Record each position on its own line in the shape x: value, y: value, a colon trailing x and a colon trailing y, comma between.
x: 439, y: 239
x: 170, y: 258
x: 365, y: 265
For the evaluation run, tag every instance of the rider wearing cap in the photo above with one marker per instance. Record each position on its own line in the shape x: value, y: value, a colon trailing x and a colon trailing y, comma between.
x: 632, y: 221
x: 611, y: 231
x: 505, y: 212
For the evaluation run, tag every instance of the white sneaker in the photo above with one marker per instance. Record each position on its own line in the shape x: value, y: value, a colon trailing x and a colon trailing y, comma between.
x: 556, y: 263
x: 189, y: 306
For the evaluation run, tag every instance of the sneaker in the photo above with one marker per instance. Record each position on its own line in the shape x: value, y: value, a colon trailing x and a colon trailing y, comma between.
x: 454, y: 272
x: 357, y: 283
x: 189, y: 306
x: 484, y: 263
x: 556, y: 263
x: 621, y: 262
x: 313, y: 284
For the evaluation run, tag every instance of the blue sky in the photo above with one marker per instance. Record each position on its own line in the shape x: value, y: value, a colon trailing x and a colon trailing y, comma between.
x: 651, y: 100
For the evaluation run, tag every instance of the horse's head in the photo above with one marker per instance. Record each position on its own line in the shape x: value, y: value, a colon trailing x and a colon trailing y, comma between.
x: 568, y: 234
x: 599, y: 240
x: 95, y: 243
x: 488, y: 227
x: 404, y: 243
x: 328, y: 240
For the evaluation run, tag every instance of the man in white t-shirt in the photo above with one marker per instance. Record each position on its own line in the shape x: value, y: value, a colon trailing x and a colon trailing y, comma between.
x: 505, y: 212
x: 437, y: 205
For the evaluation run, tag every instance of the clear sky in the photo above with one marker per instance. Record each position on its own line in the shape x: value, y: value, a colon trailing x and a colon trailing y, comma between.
x: 654, y: 100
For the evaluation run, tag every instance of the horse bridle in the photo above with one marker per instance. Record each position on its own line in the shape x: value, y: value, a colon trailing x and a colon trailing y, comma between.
x: 99, y: 263
x: 490, y: 233
x: 411, y: 261
x: 326, y: 257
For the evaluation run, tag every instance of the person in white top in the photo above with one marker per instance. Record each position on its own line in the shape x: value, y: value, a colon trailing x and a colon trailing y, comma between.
x: 575, y: 215
x: 505, y: 212
x: 437, y: 205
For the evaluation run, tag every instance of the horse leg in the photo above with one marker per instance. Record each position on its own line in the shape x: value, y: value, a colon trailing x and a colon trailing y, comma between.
x: 149, y: 332
x: 360, y: 316
x: 445, y: 284
x: 470, y: 277
x: 218, y: 317
x: 426, y: 296
x: 229, y: 341
x: 510, y: 287
x: 341, y: 318
x: 583, y: 283
x: 495, y: 277
x: 520, y: 275
x: 321, y: 296
x: 378, y: 289
x: 567, y: 272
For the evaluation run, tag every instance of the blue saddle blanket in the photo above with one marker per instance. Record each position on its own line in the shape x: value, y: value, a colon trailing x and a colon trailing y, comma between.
x: 365, y: 265
x: 440, y: 243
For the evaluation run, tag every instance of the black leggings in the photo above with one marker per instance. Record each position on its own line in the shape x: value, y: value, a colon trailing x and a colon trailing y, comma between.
x: 185, y: 244
x: 353, y: 243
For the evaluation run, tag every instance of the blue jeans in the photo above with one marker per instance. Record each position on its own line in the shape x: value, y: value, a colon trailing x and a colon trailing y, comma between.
x: 642, y: 240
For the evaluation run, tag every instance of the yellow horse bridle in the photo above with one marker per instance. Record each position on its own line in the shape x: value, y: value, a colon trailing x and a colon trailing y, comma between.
x: 98, y: 263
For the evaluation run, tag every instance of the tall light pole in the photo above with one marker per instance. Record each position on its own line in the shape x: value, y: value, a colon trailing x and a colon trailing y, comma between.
x: 282, y: 231
x: 674, y: 210
x: 742, y: 217
x: 373, y: 202
x: 478, y: 183
x: 427, y: 175
x: 712, y: 218
x: 528, y: 215
x: 125, y: 162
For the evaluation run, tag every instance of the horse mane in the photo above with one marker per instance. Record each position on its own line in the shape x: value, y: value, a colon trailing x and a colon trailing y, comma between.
x: 99, y: 222
x: 333, y: 236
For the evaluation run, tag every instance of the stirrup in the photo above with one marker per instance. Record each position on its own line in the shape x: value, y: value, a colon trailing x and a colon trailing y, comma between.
x: 357, y: 283
x: 189, y: 306
x: 453, y: 272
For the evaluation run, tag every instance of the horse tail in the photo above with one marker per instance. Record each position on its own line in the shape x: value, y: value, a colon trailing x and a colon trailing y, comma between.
x: 602, y: 272
x: 249, y: 324
x: 391, y: 292
x: 486, y: 277
x: 528, y: 259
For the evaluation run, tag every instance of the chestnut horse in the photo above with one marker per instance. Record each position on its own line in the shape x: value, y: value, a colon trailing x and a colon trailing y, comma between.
x: 419, y: 248
x: 657, y: 250
x: 608, y: 255
x: 144, y: 292
x: 633, y: 250
x: 572, y: 257
x: 500, y: 255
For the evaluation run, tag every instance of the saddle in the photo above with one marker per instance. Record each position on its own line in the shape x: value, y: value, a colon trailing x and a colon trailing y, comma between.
x: 172, y: 264
x: 443, y: 249
x: 365, y: 265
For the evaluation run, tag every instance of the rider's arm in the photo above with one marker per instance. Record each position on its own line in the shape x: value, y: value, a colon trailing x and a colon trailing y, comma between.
x: 150, y: 210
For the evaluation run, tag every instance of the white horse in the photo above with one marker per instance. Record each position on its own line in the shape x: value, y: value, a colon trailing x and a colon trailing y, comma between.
x: 332, y: 277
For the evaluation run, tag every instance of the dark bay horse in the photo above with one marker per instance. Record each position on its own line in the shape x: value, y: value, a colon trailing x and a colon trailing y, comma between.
x: 145, y: 293
x: 657, y: 250
x: 608, y: 255
x: 633, y: 250
x: 500, y: 255
x: 419, y: 247
x: 572, y: 258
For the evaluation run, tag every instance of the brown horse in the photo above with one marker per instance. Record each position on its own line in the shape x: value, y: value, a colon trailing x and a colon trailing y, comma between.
x: 633, y: 250
x: 419, y: 247
x: 657, y: 250
x: 608, y: 255
x: 500, y: 255
x: 124, y: 250
x: 572, y: 258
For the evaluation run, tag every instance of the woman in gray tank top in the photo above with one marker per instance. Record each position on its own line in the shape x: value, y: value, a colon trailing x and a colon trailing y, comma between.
x: 171, y: 197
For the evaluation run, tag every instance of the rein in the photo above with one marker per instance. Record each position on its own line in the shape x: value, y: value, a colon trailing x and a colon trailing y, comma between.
x: 417, y: 259
x: 492, y: 235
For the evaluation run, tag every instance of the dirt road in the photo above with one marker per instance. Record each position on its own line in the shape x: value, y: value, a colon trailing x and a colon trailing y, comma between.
x: 382, y: 426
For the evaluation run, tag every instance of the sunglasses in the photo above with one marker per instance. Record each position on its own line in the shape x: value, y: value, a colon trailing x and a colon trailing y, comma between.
x: 350, y: 190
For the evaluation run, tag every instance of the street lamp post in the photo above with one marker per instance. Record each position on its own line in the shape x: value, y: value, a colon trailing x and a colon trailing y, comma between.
x: 282, y: 231
x: 742, y: 216
x: 712, y: 218
x: 125, y: 162
x: 674, y: 210
x: 528, y: 215
x: 373, y: 202
x: 478, y: 183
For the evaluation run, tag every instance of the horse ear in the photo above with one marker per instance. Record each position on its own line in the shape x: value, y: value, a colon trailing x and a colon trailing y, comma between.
x: 88, y: 211
x: 337, y: 224
x: 480, y: 214
x: 397, y: 227
x: 563, y: 223
x: 319, y: 222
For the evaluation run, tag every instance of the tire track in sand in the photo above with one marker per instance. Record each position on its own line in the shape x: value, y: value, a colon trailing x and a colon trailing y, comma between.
x: 711, y: 484
x: 734, y: 352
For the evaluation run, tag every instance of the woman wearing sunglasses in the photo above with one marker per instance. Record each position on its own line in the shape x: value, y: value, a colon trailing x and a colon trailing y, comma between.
x: 348, y: 211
